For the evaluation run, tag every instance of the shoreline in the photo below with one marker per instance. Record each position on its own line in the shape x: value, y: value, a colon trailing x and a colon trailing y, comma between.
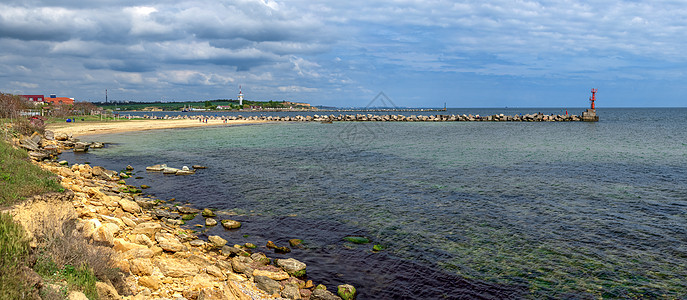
x: 79, y: 129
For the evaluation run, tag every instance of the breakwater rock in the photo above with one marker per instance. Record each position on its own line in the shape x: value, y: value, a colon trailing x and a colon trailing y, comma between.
x: 538, y: 117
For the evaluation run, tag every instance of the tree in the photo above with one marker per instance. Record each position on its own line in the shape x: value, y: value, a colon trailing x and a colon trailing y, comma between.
x: 11, y: 105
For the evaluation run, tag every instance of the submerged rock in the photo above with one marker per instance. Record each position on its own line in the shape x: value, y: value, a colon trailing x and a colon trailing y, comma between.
x: 357, y: 239
x: 231, y: 224
x: 208, y: 213
x: 198, y: 167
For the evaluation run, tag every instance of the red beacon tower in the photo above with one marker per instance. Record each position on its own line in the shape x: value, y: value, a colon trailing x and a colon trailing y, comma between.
x: 589, y: 115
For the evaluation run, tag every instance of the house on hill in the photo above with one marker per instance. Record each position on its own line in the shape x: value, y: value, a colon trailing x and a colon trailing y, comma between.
x: 59, y: 100
x: 35, y: 99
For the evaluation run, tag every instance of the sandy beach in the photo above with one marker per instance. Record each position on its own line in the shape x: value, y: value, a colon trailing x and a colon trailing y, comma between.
x: 86, y: 128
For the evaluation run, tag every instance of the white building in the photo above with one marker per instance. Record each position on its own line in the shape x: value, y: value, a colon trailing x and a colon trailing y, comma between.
x: 240, y: 97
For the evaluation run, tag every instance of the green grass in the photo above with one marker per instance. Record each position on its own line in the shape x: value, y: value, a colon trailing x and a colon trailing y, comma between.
x: 77, y: 278
x: 14, y: 249
x: 19, y: 178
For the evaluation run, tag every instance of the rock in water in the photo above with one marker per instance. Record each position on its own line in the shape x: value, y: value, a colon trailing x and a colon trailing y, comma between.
x: 208, y: 213
x: 156, y: 168
x: 357, y: 239
x: 217, y: 241
x: 210, y: 222
x: 129, y: 168
x: 231, y: 224
x: 198, y: 167
x: 346, y: 292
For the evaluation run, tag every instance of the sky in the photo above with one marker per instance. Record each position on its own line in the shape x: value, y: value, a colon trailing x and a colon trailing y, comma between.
x: 502, y: 53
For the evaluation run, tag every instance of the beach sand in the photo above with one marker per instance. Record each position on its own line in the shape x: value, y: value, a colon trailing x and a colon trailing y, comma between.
x: 87, y: 128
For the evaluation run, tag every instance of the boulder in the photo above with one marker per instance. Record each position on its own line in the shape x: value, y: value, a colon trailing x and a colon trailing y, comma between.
x: 156, y: 168
x: 197, y: 243
x: 177, y: 268
x: 292, y: 266
x: 271, y: 272
x: 291, y: 291
x: 323, y: 294
x: 105, y: 233
x: 129, y: 206
x: 150, y: 282
x: 208, y: 213
x: 187, y: 210
x: 198, y: 167
x: 346, y: 292
x: 267, y: 284
x: 106, y: 291
x: 231, y: 224
x: 122, y: 245
x: 210, y: 222
x: 169, y: 242
x: 148, y: 228
x: 141, y: 266
x: 217, y: 241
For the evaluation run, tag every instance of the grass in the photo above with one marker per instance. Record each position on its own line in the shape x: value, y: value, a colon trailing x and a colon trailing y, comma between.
x: 19, y: 178
x: 14, y: 249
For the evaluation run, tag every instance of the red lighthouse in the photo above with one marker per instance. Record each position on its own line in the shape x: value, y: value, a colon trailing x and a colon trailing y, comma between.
x: 593, y: 98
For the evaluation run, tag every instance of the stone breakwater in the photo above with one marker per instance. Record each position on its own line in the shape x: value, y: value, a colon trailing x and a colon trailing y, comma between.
x: 388, y: 118
x: 162, y: 260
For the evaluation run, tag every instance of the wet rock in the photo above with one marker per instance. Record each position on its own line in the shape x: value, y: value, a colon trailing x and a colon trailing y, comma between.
x: 145, y: 186
x: 208, y: 213
x: 198, y: 167
x: 233, y: 251
x: 231, y: 224
x: 81, y: 146
x: 346, y: 292
x: 146, y: 203
x: 267, y: 284
x: 129, y: 168
x: 97, y: 145
x: 260, y: 259
x: 250, y: 245
x: 217, y: 241
x: 295, y: 242
x: 156, y: 168
x: 63, y: 162
x: 161, y: 213
x: 323, y: 294
x: 357, y: 239
x: 210, y: 222
x: 168, y: 170
x: 292, y: 266
x: 187, y: 210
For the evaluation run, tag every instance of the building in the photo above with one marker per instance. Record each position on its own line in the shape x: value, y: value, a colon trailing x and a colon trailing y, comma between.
x: 59, y: 100
x: 35, y: 99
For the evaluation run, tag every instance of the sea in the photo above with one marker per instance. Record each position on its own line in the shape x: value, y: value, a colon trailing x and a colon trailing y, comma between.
x: 460, y: 210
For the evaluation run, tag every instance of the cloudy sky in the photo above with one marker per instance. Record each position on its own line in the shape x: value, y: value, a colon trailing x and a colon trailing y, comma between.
x: 342, y: 53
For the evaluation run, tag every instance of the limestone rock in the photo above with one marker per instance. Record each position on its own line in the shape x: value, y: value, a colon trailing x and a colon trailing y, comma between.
x: 169, y: 242
x: 143, y: 239
x: 210, y: 222
x: 260, y: 259
x: 267, y: 284
x: 197, y: 243
x: 76, y: 295
x: 139, y: 253
x: 173, y: 267
x: 129, y: 206
x: 215, y: 271
x: 291, y: 291
x: 148, y: 228
x: 105, y: 233
x: 292, y: 266
x: 217, y: 241
x: 106, y: 291
x: 271, y: 272
x: 187, y: 210
x: 122, y: 245
x: 141, y: 266
x: 231, y: 224
x: 149, y: 282
x: 322, y: 294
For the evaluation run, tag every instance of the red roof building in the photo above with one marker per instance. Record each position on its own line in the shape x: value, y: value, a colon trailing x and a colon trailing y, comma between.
x: 35, y: 99
x: 59, y: 100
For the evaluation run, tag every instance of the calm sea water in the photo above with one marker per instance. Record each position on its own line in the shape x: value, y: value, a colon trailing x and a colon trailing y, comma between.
x: 464, y: 210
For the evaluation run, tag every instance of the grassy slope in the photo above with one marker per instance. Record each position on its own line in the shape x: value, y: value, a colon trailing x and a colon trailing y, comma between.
x: 19, y: 178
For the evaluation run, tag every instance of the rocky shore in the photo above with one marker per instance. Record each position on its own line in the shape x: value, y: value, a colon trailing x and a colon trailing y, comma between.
x: 539, y: 117
x: 159, y: 258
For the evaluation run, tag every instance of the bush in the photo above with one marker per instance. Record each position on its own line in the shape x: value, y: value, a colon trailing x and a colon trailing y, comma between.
x: 11, y: 105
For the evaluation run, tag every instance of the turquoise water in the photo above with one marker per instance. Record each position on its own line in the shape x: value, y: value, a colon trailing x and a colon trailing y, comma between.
x: 516, y: 209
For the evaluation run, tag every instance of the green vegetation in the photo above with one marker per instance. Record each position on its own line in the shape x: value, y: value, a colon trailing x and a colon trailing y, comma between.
x: 19, y: 178
x: 175, y: 106
x: 14, y: 249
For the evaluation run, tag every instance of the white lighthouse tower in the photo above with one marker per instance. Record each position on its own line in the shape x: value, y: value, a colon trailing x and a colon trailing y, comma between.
x: 240, y: 97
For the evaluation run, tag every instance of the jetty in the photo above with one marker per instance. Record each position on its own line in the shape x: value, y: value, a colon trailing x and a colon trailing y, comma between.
x: 538, y: 117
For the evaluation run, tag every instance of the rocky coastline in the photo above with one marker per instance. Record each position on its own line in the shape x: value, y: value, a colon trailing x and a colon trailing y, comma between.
x: 538, y: 117
x: 159, y: 258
